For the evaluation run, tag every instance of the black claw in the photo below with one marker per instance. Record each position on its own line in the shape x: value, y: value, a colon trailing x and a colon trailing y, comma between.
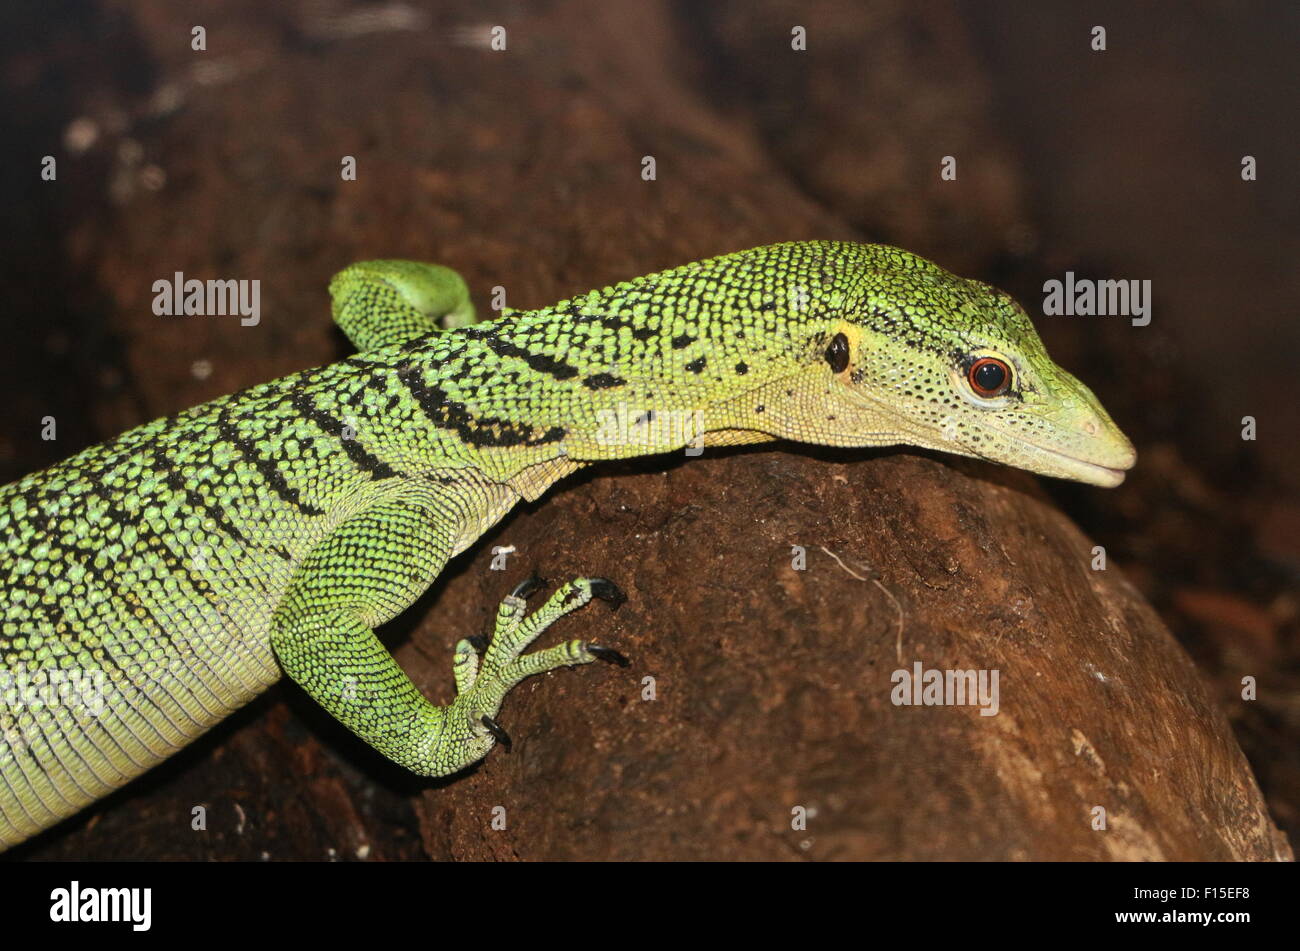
x: 606, y: 590
x: 608, y: 655
x: 495, y: 729
x: 530, y: 585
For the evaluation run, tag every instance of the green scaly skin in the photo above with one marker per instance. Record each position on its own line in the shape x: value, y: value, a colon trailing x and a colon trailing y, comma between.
x: 182, y: 567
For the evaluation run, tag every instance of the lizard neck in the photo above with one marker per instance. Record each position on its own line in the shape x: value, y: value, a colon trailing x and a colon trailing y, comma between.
x: 548, y: 385
x: 700, y: 353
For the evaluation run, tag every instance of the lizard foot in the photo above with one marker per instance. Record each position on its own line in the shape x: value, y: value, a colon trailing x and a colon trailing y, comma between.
x: 482, y: 682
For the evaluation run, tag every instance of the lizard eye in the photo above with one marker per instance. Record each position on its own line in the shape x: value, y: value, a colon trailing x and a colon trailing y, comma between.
x: 989, y: 377
x: 837, y: 354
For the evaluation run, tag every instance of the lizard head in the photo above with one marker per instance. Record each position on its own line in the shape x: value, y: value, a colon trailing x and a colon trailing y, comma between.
x: 912, y: 354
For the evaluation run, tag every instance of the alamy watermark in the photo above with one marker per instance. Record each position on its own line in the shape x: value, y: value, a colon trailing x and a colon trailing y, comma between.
x: 920, y: 687
x: 1084, y: 297
x: 80, y: 690
x: 194, y: 298
x: 78, y: 903
x: 667, y: 429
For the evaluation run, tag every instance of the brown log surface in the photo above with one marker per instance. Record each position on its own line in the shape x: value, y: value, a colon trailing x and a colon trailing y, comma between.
x: 773, y: 685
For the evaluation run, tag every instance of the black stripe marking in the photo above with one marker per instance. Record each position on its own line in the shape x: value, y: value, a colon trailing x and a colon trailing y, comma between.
x: 265, y: 467
x: 603, y: 381
x: 360, y: 456
x: 176, y: 482
x: 487, y: 431
x: 536, y: 361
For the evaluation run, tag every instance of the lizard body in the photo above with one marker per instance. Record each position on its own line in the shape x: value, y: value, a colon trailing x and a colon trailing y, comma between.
x: 158, y: 581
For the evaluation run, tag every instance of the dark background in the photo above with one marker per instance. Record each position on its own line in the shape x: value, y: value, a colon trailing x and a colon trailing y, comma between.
x: 1119, y: 164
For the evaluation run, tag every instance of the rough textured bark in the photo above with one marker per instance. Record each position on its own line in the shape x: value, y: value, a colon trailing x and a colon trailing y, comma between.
x: 523, y: 169
x: 773, y: 685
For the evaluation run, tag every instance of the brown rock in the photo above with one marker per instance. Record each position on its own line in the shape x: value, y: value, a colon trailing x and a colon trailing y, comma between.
x: 773, y: 686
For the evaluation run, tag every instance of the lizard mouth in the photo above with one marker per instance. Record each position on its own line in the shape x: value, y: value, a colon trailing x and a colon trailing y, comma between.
x: 1084, y: 470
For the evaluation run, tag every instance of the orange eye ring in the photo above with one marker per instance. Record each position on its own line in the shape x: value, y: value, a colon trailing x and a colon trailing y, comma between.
x: 989, y: 377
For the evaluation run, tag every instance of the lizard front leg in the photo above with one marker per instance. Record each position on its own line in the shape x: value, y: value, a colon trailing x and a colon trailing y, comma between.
x: 368, y: 570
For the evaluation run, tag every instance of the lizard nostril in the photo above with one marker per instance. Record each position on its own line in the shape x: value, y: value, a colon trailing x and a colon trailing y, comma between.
x: 1090, y: 428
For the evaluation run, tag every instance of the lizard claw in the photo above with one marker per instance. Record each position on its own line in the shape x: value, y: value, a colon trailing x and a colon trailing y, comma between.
x: 606, y: 590
x: 496, y: 730
x: 529, y: 585
x: 608, y: 655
